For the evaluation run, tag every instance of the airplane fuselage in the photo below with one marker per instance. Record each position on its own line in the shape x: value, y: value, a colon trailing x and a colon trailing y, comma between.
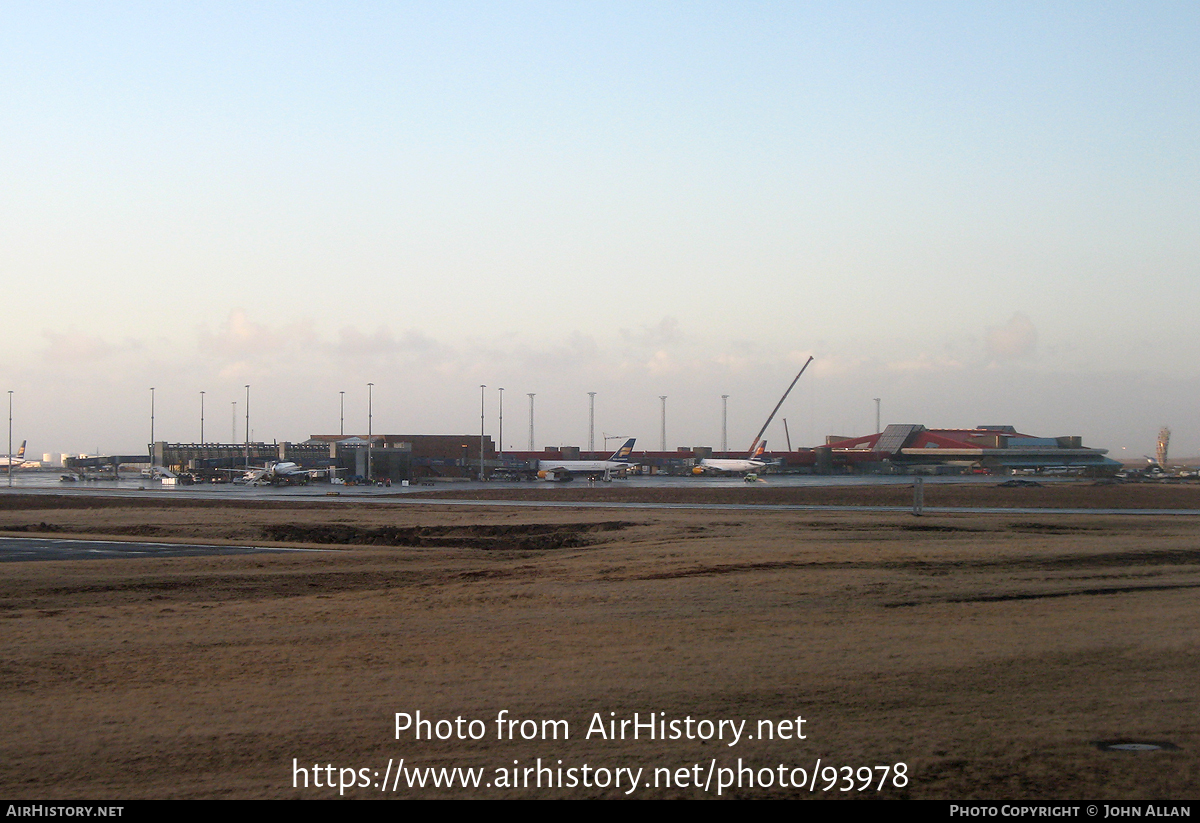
x: 276, y: 473
x: 15, y: 461
x: 286, y: 472
x: 730, y: 465
x: 592, y: 468
x: 566, y: 469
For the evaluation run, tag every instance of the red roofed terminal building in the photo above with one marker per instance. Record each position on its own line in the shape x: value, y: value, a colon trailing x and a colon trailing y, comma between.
x: 997, y: 449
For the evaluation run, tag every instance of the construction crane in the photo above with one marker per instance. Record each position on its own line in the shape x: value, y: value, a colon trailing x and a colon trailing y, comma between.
x: 777, y: 405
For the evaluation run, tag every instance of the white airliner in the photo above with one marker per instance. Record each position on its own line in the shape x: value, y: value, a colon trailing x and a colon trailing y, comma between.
x: 751, y: 463
x: 567, y: 469
x: 275, y: 474
x: 16, y: 462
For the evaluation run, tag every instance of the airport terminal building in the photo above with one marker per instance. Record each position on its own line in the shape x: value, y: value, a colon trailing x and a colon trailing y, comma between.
x: 898, y: 449
x: 995, y: 449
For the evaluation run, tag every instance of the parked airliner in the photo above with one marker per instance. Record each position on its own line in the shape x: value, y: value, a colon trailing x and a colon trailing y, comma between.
x: 16, y: 462
x: 276, y: 474
x: 567, y: 469
x: 751, y: 463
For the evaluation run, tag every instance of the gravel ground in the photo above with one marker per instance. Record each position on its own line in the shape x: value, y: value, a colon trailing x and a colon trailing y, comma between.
x: 989, y: 654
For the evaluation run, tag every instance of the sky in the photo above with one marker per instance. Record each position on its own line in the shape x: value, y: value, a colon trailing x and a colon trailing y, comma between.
x: 979, y: 213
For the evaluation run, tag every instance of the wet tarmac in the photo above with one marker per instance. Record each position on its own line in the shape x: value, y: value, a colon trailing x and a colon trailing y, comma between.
x: 37, y: 482
x: 20, y: 549
x: 29, y: 481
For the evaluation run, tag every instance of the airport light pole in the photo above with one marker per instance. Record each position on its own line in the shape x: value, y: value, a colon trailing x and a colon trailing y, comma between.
x: 151, y: 432
x: 370, y: 416
x: 233, y: 425
x: 591, y: 423
x: 663, y: 398
x: 877, y: 429
x: 342, y: 416
x: 247, y: 425
x: 531, y: 420
x: 500, y: 445
x: 10, y: 454
x: 482, y: 406
x: 724, y: 422
x: 201, y: 418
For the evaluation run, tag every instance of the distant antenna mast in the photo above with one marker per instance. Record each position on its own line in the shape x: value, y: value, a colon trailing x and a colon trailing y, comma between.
x: 754, y: 445
x: 1164, y: 439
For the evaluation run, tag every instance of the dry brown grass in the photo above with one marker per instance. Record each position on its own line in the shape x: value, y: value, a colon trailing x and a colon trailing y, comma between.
x: 987, y: 652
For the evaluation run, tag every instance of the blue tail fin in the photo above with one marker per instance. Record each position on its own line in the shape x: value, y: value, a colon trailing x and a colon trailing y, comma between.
x: 621, y: 455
